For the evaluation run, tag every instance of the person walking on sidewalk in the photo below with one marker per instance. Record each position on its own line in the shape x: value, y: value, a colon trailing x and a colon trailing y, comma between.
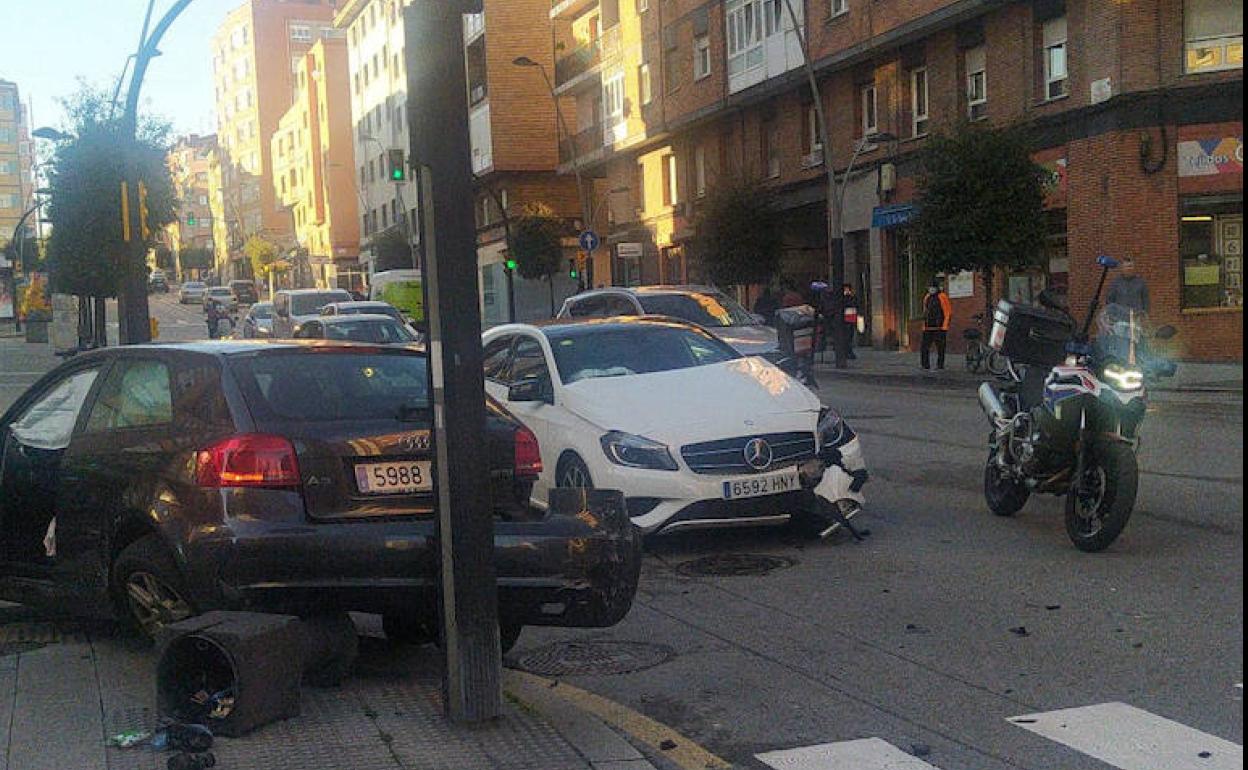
x: 936, y: 315
x: 849, y: 317
x: 1129, y: 289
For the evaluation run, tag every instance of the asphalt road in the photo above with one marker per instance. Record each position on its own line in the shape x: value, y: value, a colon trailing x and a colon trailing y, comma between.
x: 908, y: 636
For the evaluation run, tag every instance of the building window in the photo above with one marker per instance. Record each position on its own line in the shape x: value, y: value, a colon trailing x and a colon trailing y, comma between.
x: 770, y: 137
x: 670, y: 197
x: 300, y: 33
x: 744, y: 20
x: 356, y: 79
x: 918, y: 101
x: 1211, y: 249
x: 643, y: 6
x: 1055, y: 64
x: 701, y: 57
x: 644, y: 87
x: 810, y: 135
x: 840, y: 7
x: 699, y: 171
x: 398, y: 118
x: 976, y: 83
x: 613, y: 108
x: 870, y: 119
x: 1213, y: 34
x: 639, y: 184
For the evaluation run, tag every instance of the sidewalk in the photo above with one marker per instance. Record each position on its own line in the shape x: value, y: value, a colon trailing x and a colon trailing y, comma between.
x: 65, y: 689
x: 887, y: 367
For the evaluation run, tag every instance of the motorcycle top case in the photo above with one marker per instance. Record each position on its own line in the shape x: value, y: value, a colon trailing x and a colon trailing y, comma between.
x: 1029, y: 335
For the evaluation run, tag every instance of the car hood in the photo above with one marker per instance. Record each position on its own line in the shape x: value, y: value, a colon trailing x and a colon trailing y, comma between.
x: 748, y: 340
x: 745, y: 395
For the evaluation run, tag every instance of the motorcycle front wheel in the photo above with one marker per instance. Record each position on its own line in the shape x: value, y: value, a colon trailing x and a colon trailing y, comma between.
x: 1005, y: 497
x: 1099, y: 505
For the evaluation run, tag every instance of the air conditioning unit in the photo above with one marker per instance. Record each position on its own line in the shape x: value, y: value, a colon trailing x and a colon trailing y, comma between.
x: 888, y: 177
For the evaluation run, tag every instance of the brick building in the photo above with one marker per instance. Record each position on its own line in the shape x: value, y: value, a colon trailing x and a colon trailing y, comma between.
x: 1136, y: 108
x: 16, y: 163
x: 189, y: 162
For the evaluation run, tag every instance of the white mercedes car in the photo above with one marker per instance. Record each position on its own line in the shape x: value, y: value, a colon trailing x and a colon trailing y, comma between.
x: 692, y: 431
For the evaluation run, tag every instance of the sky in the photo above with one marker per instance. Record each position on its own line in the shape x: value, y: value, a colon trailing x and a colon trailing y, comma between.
x: 49, y: 44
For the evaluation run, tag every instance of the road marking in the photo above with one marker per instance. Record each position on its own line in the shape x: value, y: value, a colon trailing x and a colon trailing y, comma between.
x: 1133, y: 739
x: 864, y: 754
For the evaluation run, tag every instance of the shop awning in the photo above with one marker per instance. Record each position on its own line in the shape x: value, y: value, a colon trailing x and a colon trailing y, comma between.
x: 892, y: 215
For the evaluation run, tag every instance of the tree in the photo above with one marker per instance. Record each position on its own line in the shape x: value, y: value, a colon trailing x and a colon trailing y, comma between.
x: 196, y: 258
x: 391, y: 251
x: 261, y: 253
x: 537, y: 244
x: 738, y: 233
x: 981, y: 203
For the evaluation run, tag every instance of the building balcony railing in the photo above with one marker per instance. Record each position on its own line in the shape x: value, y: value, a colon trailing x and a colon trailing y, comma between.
x: 578, y: 62
x: 585, y: 142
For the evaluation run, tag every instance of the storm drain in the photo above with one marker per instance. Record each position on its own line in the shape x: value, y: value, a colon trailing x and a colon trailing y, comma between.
x: 601, y: 657
x: 734, y: 565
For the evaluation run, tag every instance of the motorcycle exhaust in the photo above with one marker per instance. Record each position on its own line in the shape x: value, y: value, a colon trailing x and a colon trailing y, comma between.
x: 990, y: 402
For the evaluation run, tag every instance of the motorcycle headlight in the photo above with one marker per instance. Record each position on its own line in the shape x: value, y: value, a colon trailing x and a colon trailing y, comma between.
x: 1122, y: 378
x: 833, y: 430
x: 637, y: 452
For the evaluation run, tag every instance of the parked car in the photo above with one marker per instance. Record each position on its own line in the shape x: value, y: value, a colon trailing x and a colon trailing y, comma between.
x: 694, y: 433
x: 152, y: 482
x: 156, y: 281
x: 191, y: 291
x: 258, y: 323
x: 705, y: 306
x: 375, y: 329
x: 244, y: 292
x: 292, y: 307
x: 222, y: 294
x: 361, y: 307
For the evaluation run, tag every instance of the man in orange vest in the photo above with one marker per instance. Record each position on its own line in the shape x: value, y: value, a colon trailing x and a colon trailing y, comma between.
x: 937, y: 312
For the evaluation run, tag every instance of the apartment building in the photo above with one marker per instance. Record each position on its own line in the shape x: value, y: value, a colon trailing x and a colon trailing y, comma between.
x: 313, y: 165
x: 515, y: 132
x: 190, y: 160
x: 257, y: 52
x: 16, y: 178
x: 1136, y: 109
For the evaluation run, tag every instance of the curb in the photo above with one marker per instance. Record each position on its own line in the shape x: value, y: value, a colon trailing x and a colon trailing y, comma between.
x: 959, y: 382
x: 586, y: 720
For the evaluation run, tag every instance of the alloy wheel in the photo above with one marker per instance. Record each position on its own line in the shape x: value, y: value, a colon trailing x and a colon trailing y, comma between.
x: 153, y: 603
x: 1089, y: 495
x: 574, y: 477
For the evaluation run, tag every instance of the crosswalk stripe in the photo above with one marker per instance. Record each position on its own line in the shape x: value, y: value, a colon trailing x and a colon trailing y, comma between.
x: 1133, y: 739
x: 864, y: 754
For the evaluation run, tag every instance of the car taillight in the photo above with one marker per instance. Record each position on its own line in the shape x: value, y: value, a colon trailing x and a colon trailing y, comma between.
x: 528, y: 454
x: 249, y: 460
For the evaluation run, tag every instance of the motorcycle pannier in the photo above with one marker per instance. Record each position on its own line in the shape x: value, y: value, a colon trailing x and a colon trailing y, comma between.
x: 1029, y: 335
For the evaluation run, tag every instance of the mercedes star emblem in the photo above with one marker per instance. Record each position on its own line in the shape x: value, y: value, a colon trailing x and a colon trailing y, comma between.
x: 757, y: 453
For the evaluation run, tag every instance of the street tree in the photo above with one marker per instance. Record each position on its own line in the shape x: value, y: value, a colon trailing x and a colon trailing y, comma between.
x: 261, y: 253
x: 738, y: 233
x: 196, y: 258
x: 537, y: 244
x: 391, y: 251
x: 980, y: 203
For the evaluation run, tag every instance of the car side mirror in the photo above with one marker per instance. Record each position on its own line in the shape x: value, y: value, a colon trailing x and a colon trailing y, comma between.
x: 530, y: 390
x: 1166, y: 332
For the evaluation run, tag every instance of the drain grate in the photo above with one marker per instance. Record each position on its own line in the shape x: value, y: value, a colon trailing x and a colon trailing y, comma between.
x: 734, y: 565
x: 595, y: 657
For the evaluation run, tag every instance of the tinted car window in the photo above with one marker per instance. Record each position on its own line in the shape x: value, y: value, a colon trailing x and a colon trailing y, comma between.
x: 496, y: 358
x: 615, y: 351
x: 376, y: 331
x: 135, y: 395
x: 590, y: 306
x: 49, y: 422
x: 710, y: 309
x: 319, y: 387
x: 262, y: 310
x: 617, y: 305
x: 305, y: 304
x: 529, y: 362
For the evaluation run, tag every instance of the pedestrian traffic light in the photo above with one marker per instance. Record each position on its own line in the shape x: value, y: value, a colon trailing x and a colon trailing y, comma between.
x: 398, y: 172
x: 572, y: 271
x: 510, y: 264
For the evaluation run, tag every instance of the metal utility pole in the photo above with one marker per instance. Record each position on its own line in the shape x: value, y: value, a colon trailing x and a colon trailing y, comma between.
x: 836, y: 242
x: 438, y: 124
x: 132, y: 310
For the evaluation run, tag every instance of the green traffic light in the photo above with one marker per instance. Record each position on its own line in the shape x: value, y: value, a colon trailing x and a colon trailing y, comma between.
x: 397, y: 175
x: 511, y: 264
x: 573, y: 273
x: 190, y: 220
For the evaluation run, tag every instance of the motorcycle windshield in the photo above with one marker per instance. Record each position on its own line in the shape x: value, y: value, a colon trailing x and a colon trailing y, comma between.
x: 1121, y: 334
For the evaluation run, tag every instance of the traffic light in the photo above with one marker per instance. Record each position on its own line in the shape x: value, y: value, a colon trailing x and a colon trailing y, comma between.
x: 143, y: 211
x: 572, y: 271
x: 398, y: 171
x: 191, y: 221
x: 125, y: 212
x: 510, y: 264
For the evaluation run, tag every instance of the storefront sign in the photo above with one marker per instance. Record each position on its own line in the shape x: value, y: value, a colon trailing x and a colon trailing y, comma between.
x: 629, y: 250
x: 1211, y: 157
x: 961, y: 285
x: 893, y: 215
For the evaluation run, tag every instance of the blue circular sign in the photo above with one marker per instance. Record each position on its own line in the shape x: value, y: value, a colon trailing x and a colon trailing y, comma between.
x: 589, y: 240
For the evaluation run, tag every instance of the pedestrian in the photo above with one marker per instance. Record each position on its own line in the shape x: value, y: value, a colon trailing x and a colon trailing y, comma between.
x: 791, y: 297
x: 936, y: 315
x: 214, y: 318
x: 1129, y: 289
x: 849, y: 317
x: 766, y: 306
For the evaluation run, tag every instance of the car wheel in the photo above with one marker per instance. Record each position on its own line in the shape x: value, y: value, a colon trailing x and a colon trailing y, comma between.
x: 573, y: 473
x: 404, y: 629
x: 149, y: 588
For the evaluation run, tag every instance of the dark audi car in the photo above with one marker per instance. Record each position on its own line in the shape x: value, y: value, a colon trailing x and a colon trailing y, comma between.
x: 154, y: 482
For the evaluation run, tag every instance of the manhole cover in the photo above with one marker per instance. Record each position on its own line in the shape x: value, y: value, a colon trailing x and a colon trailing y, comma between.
x: 734, y: 565
x: 594, y: 657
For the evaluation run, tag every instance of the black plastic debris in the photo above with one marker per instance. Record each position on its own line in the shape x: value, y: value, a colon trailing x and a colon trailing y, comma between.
x: 1020, y: 631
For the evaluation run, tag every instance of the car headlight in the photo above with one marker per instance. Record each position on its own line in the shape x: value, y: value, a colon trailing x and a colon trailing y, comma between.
x: 833, y: 431
x: 637, y: 452
x: 1122, y: 378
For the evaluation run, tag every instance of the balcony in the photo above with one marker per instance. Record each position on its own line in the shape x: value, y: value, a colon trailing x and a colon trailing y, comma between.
x: 585, y: 142
x: 570, y: 8
x: 577, y: 63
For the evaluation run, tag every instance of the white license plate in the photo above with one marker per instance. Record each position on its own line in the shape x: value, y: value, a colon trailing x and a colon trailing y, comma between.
x: 760, y: 486
x: 394, y: 478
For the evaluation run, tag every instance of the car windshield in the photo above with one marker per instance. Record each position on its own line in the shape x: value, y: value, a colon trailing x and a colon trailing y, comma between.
x: 585, y: 352
x: 192, y: 285
x: 383, y: 331
x: 308, y: 304
x: 320, y: 386
x: 219, y: 292
x: 705, y: 308
x: 263, y: 311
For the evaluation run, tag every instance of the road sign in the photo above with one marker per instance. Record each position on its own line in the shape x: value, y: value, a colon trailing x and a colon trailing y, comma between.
x: 589, y: 240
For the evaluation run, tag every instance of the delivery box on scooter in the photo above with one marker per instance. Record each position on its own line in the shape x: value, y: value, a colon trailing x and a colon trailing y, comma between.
x: 1029, y: 335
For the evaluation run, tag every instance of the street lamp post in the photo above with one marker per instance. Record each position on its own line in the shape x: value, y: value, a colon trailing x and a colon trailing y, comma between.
x: 586, y: 213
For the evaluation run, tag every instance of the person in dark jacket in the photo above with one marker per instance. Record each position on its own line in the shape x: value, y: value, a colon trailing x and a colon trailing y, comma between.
x: 215, y: 312
x: 1129, y: 289
x: 849, y: 317
x: 937, y: 312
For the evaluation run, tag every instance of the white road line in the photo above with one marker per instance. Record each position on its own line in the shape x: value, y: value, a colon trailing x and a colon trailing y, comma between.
x: 864, y: 754
x: 1133, y: 739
